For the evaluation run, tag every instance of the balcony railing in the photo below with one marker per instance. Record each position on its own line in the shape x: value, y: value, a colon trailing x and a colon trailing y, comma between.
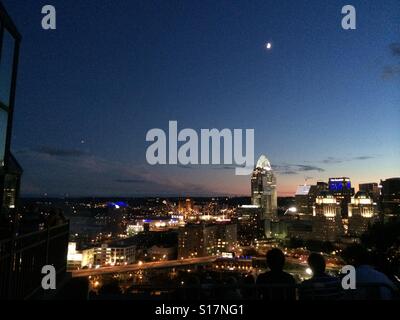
x: 365, y: 291
x: 22, y: 259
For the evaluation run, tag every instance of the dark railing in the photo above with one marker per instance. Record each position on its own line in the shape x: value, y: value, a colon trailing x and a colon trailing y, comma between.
x: 365, y: 291
x: 22, y: 259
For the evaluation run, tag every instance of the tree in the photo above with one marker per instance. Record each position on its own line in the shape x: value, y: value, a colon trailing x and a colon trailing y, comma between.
x: 383, y: 241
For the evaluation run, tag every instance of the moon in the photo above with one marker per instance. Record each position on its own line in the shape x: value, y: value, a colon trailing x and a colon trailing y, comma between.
x: 268, y: 46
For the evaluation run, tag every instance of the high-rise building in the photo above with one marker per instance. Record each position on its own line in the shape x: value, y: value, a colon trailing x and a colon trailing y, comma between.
x: 263, y: 188
x: 362, y: 213
x: 119, y: 252
x: 391, y: 196
x: 306, y: 195
x: 342, y: 190
x: 250, y: 224
x: 372, y: 189
x: 327, y: 220
x: 23, y: 254
x: 302, y: 199
x: 191, y: 241
x: 206, y: 239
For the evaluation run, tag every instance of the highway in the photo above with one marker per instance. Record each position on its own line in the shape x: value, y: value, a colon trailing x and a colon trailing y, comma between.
x: 166, y: 264
x: 142, y: 266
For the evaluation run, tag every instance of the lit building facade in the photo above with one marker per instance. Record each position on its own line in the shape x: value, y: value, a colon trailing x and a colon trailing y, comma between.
x: 203, y: 239
x: 306, y: 195
x: 250, y: 224
x: 263, y: 188
x: 327, y: 219
x: 78, y: 259
x: 191, y: 241
x: 362, y: 213
x: 342, y: 190
x: 120, y: 252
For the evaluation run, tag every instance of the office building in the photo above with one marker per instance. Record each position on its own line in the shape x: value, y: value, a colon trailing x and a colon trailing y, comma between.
x: 372, y: 189
x: 362, y: 212
x: 327, y: 220
x: 342, y: 190
x: 77, y: 259
x: 119, y: 252
x: 250, y: 224
x: 205, y: 239
x: 391, y: 196
x: 306, y: 195
x: 263, y: 188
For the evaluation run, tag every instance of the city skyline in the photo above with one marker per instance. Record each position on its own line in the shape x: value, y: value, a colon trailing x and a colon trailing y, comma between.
x: 323, y: 101
x: 144, y: 145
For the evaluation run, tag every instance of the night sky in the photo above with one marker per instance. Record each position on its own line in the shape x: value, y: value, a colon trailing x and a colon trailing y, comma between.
x: 323, y: 101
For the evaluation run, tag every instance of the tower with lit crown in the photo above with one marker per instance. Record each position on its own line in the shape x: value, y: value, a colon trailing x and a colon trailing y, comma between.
x: 263, y: 188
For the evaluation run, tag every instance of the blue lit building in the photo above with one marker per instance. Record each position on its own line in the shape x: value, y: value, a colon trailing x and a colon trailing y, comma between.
x: 341, y: 189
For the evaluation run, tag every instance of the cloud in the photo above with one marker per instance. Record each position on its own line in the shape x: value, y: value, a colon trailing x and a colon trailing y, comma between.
x: 54, y: 152
x: 363, y: 158
x: 292, y: 169
x: 130, y: 180
x: 334, y: 160
x: 288, y: 173
x: 395, y: 48
x: 303, y: 168
x: 391, y: 71
x: 331, y: 160
x: 63, y: 171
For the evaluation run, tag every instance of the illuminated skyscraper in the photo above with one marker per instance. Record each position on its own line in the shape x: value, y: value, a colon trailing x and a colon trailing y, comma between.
x: 327, y: 220
x: 206, y: 239
x: 362, y: 212
x: 342, y: 190
x: 250, y: 224
x: 263, y: 188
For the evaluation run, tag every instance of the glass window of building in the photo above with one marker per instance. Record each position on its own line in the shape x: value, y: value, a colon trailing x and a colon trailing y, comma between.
x: 6, y: 67
x: 10, y: 191
x: 3, y: 134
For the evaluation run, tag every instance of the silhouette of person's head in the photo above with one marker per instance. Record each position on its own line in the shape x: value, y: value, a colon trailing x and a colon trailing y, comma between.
x: 316, y: 263
x: 275, y: 259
